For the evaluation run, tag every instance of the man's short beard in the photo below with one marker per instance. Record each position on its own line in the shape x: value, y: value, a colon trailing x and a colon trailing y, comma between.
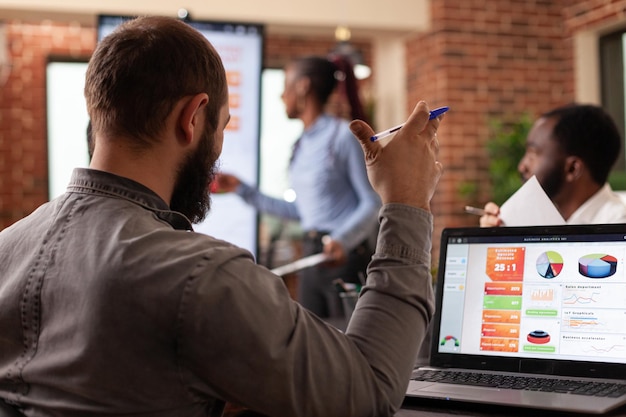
x: 552, y: 183
x: 191, y: 191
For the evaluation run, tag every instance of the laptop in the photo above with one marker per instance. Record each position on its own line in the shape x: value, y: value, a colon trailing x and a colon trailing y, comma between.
x: 529, y: 317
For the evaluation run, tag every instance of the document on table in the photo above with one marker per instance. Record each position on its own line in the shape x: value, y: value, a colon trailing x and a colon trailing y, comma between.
x: 530, y: 206
x: 306, y: 262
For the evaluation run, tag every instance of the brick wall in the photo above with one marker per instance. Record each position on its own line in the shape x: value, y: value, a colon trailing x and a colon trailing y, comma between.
x: 584, y: 14
x: 279, y: 49
x: 23, y: 149
x: 485, y: 59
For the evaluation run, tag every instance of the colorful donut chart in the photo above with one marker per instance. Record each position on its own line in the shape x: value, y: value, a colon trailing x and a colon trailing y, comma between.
x: 538, y: 337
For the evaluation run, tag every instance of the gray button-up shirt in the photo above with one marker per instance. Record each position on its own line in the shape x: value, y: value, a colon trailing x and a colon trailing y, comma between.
x: 111, y: 305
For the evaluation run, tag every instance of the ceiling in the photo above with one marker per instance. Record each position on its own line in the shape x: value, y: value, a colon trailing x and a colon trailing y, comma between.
x: 366, y: 19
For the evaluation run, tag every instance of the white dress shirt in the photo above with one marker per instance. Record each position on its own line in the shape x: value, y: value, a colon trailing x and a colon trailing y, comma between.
x: 605, y: 206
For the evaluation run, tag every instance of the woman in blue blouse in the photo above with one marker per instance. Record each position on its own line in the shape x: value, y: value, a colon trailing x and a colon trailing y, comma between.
x: 335, y: 203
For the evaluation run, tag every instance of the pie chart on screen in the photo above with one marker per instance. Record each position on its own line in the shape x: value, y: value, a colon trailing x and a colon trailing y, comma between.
x: 549, y: 264
x: 597, y: 265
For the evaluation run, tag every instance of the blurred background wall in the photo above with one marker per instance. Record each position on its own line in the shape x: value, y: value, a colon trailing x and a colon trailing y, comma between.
x: 489, y: 60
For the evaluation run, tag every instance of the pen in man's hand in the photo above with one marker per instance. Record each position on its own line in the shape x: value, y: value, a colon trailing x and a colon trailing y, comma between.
x: 474, y: 210
x: 433, y: 114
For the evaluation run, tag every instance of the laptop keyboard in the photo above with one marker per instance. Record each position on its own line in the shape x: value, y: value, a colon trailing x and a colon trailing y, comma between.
x: 571, y: 386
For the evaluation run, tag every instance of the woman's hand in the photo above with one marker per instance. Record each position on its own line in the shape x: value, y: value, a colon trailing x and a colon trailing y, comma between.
x: 224, y: 183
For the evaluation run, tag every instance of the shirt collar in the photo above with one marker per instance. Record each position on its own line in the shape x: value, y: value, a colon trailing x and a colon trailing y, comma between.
x: 586, y: 212
x: 318, y: 125
x: 91, y: 181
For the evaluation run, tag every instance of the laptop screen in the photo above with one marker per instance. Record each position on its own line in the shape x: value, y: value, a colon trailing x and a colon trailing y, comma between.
x: 540, y: 293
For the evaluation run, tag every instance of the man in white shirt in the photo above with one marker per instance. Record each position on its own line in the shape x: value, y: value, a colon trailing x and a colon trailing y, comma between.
x: 571, y: 150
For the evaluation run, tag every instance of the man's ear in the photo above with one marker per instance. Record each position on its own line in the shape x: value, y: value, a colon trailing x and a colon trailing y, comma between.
x: 191, y: 117
x: 574, y: 167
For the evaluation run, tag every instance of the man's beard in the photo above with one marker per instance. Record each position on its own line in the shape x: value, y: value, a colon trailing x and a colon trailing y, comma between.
x: 552, y: 182
x: 191, y: 191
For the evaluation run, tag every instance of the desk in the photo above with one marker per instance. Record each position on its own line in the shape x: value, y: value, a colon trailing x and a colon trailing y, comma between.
x: 433, y: 408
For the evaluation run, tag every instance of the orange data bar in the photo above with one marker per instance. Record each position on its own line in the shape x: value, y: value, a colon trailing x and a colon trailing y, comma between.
x: 233, y: 78
x: 233, y: 123
x: 501, y: 316
x: 500, y: 330
x: 234, y: 101
x: 499, y: 344
x: 503, y: 288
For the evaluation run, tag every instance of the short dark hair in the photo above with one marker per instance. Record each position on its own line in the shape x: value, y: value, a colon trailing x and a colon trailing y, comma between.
x: 138, y: 73
x: 588, y: 132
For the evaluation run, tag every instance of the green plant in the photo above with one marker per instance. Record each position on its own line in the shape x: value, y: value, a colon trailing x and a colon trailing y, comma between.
x: 506, y: 148
x: 468, y: 190
x: 617, y: 179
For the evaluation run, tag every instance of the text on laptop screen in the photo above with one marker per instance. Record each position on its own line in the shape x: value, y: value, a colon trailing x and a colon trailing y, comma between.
x: 545, y: 297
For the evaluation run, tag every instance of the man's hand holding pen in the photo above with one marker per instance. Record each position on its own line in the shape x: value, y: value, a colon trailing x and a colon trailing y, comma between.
x: 406, y: 169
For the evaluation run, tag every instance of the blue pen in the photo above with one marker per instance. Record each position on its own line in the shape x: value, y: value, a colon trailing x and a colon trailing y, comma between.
x: 433, y: 114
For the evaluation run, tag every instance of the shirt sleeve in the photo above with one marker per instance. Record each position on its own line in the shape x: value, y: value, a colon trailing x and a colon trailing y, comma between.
x: 243, y: 339
x: 362, y: 221
x: 267, y: 204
